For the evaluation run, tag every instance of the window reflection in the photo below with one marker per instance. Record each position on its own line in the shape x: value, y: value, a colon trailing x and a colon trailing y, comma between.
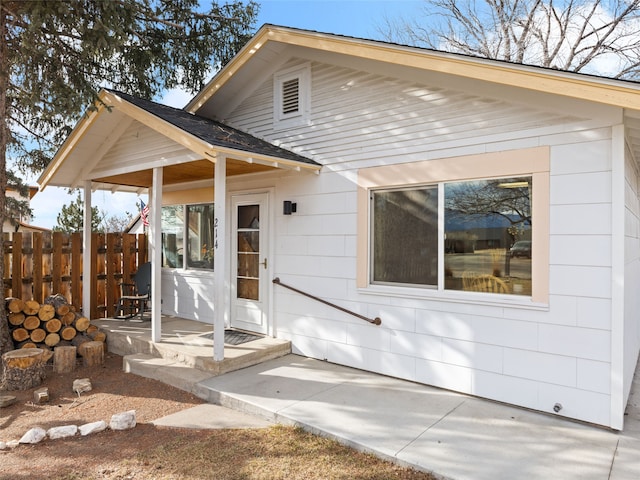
x: 488, y: 235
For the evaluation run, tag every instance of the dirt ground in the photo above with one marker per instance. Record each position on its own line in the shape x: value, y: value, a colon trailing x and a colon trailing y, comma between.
x: 147, y: 452
x: 113, y: 392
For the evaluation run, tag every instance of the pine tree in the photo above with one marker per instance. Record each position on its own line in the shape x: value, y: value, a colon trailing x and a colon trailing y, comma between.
x: 71, y: 217
x: 56, y: 54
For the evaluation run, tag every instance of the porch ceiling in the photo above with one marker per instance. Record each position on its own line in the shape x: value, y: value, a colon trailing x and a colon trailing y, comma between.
x: 183, y: 173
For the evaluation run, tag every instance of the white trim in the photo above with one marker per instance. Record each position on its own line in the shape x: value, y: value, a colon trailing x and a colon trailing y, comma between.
x: 220, y: 270
x: 155, y: 245
x: 86, y: 253
x: 617, y: 276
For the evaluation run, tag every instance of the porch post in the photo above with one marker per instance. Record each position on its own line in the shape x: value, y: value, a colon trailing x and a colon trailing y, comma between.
x: 219, y: 257
x: 155, y: 245
x: 87, y: 268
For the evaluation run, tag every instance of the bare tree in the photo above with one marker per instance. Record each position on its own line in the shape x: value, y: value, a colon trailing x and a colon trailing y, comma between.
x: 589, y: 36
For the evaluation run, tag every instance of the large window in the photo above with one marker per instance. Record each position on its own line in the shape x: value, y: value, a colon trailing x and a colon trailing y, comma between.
x: 193, y: 223
x: 482, y: 230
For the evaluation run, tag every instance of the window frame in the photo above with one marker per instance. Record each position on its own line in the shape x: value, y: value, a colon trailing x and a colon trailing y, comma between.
x: 533, y: 162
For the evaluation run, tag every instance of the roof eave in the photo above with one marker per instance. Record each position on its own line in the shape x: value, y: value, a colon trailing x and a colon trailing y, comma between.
x: 570, y: 84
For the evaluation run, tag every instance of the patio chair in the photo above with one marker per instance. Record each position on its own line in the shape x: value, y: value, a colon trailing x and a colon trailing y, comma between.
x: 487, y: 283
x: 135, y: 296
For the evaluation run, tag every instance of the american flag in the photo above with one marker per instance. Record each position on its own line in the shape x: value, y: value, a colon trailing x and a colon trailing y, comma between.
x: 144, y: 213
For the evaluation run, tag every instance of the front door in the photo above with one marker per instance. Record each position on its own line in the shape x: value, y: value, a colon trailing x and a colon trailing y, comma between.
x: 249, y: 262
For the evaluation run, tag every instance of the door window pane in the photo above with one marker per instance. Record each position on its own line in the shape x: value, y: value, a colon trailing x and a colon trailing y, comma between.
x: 248, y: 252
x: 405, y: 236
x: 488, y: 235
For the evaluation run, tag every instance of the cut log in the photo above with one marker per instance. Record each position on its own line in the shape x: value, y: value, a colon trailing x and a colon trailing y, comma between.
x: 47, y: 354
x: 68, y: 333
x: 23, y: 369
x: 46, y: 312
x: 26, y: 344
x: 81, y: 323
x: 57, y: 301
x: 20, y: 334
x: 52, y: 326
x: 41, y: 395
x: 31, y: 322
x: 31, y: 307
x: 97, y: 336
x: 62, y: 310
x: 38, y: 335
x: 52, y: 339
x: 64, y: 359
x: 16, y: 318
x: 93, y: 354
x: 79, y: 341
x: 68, y: 318
x: 91, y: 328
x: 14, y: 305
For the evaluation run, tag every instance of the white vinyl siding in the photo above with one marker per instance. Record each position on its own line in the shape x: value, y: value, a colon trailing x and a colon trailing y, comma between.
x: 533, y: 356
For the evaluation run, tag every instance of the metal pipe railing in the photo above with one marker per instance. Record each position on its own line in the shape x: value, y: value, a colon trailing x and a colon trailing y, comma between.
x: 375, y: 321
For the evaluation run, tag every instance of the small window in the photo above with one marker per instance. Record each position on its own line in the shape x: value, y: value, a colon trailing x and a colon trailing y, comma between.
x: 187, y: 236
x: 292, y: 96
x: 200, y: 235
x: 172, y: 236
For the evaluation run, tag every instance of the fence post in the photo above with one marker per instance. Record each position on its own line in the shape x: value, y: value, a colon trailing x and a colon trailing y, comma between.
x: 37, y: 267
x: 76, y: 270
x: 16, y: 265
x: 56, y: 262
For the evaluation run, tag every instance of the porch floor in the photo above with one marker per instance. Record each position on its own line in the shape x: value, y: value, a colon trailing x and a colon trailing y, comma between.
x: 187, y: 343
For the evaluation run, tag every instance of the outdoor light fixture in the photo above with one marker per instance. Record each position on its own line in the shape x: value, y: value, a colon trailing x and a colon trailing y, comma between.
x: 289, y: 207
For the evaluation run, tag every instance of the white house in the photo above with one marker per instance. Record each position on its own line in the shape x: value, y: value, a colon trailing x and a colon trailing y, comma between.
x: 394, y: 182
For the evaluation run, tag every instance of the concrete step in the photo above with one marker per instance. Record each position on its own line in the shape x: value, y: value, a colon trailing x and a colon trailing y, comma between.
x: 167, y: 371
x: 189, y: 344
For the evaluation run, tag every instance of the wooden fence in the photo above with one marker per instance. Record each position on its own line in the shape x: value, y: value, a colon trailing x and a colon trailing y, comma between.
x: 40, y: 264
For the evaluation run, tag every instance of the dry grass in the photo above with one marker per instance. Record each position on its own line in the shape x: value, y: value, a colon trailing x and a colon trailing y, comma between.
x: 258, y: 454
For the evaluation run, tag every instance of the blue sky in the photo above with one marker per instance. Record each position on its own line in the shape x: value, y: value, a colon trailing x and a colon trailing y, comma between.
x: 357, y: 18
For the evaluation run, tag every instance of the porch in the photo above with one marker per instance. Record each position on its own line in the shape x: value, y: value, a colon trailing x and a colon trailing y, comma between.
x: 186, y: 345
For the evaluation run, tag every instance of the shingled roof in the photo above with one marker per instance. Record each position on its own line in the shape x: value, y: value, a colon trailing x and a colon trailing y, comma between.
x: 214, y: 133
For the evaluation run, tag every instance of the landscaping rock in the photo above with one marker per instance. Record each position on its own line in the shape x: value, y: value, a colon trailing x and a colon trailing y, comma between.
x: 123, y: 421
x: 62, y: 432
x: 3, y: 446
x: 7, y: 400
x: 13, y: 443
x: 93, y: 427
x: 35, y: 435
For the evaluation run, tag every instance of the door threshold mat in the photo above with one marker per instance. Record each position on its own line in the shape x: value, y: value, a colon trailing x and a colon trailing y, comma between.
x: 235, y: 337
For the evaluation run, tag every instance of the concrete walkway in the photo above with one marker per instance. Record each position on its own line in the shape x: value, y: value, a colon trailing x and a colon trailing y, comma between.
x: 451, y: 435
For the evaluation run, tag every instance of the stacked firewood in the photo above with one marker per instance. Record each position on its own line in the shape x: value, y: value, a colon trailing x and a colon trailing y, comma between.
x: 48, y: 325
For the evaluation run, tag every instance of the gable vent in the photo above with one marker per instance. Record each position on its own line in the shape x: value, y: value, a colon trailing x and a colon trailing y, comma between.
x: 291, y: 96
